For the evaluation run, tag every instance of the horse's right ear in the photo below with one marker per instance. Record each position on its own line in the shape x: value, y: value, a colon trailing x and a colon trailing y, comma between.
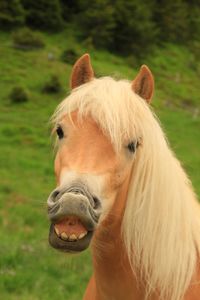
x: 82, y: 71
x: 143, y: 84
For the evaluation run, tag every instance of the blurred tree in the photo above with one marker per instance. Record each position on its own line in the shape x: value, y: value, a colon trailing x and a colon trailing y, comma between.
x: 69, y: 9
x: 135, y: 30
x: 97, y: 21
x: 194, y: 19
x: 43, y: 14
x: 172, y: 18
x: 12, y: 14
x: 194, y: 29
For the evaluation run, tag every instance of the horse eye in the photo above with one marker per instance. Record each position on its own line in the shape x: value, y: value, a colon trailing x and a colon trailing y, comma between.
x: 60, y: 132
x: 132, y: 146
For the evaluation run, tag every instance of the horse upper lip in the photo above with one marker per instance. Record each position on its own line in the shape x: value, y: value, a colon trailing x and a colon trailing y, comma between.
x: 76, y: 188
x: 77, y: 205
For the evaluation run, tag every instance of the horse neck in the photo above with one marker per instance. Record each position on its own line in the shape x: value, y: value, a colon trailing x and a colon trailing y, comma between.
x: 112, y: 271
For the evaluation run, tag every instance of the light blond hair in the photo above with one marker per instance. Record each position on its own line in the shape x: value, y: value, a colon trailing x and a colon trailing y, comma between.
x: 161, y: 223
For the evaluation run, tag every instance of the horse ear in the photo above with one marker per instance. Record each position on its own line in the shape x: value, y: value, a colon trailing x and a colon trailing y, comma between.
x: 143, y: 84
x: 82, y: 71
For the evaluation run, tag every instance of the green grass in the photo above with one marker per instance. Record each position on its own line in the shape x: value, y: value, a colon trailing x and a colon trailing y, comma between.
x: 29, y: 268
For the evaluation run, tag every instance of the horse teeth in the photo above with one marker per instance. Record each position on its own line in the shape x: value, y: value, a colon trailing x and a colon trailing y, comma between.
x: 64, y: 236
x: 72, y: 237
x: 82, y: 235
x: 57, y: 231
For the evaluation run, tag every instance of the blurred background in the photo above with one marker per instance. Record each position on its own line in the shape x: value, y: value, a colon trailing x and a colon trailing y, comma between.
x: 39, y: 42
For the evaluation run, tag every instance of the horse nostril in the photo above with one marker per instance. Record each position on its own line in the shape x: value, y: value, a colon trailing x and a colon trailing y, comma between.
x: 96, y: 202
x: 54, y: 195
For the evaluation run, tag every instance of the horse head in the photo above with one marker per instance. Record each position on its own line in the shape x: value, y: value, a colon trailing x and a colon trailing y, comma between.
x: 89, y: 169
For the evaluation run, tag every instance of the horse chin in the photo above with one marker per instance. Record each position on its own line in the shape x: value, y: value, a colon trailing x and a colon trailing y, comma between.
x: 69, y: 246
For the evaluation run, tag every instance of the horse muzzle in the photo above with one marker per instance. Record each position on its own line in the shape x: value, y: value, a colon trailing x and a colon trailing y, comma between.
x: 74, y: 214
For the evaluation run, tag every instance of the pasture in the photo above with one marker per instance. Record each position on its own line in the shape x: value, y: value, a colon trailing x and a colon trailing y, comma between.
x: 29, y: 268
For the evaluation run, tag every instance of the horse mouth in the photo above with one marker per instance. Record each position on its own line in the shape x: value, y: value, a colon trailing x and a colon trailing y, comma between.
x: 70, y: 235
x: 74, y: 215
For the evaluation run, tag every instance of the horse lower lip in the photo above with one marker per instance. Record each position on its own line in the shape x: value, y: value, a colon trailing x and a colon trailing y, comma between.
x: 67, y: 245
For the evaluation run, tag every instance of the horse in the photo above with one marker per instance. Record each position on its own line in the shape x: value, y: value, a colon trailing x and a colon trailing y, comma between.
x: 122, y: 192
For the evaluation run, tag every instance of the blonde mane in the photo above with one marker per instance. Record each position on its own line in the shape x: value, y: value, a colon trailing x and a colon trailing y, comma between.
x: 161, y: 223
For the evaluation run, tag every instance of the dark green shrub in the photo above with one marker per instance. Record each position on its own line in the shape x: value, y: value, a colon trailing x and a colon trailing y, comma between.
x: 18, y: 95
x: 43, y: 14
x: 97, y: 21
x: 135, y: 30
x: 12, y: 14
x: 27, y: 39
x: 52, y: 86
x: 70, y: 9
x: 173, y: 20
x: 194, y: 20
x: 69, y: 56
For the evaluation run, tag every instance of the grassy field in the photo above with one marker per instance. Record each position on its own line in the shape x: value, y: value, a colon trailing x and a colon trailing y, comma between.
x: 29, y: 268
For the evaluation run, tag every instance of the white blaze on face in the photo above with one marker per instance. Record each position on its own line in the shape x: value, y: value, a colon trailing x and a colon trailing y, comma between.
x: 96, y: 185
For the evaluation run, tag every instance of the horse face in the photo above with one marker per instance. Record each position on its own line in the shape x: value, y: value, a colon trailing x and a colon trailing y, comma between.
x: 89, y: 174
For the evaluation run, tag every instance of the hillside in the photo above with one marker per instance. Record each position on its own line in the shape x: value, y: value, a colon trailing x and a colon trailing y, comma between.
x: 30, y: 269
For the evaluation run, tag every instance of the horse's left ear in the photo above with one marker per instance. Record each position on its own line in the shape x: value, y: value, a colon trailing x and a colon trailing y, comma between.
x: 82, y: 71
x: 143, y: 84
